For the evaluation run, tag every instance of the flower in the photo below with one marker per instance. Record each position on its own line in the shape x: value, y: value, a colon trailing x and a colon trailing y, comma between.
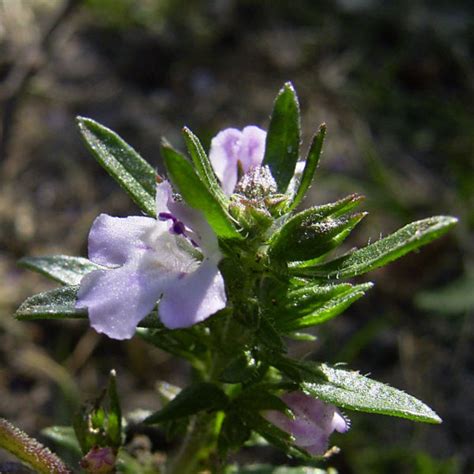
x: 172, y: 258
x: 99, y: 460
x: 313, y: 423
x: 234, y: 153
x: 231, y: 149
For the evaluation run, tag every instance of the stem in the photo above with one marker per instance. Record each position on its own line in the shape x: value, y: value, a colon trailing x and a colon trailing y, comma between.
x: 196, y: 446
x: 200, y: 440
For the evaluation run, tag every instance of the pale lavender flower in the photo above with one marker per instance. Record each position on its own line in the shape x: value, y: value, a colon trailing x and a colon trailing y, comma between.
x: 313, y: 422
x: 231, y: 149
x: 99, y: 460
x: 171, y: 259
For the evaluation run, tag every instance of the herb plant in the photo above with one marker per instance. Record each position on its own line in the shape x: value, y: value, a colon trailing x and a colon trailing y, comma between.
x: 222, y: 269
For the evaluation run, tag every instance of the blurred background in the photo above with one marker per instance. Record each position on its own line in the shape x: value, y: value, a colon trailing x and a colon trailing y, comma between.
x: 394, y: 81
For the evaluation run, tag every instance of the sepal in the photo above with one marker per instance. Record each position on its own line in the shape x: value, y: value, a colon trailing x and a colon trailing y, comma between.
x: 99, y: 422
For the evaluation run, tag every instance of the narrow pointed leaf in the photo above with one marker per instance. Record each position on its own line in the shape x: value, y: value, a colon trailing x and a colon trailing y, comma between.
x: 259, y: 398
x: 62, y: 268
x: 191, y: 400
x: 55, y: 304
x: 307, y: 236
x: 122, y: 162
x: 385, y: 250
x: 311, y: 164
x: 304, y: 317
x: 196, y: 194
x: 203, y: 166
x: 283, y: 138
x: 267, y: 430
x: 233, y: 434
x: 351, y: 390
x: 60, y: 304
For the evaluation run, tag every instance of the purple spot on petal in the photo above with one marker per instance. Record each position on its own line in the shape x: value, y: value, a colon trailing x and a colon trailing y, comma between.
x: 179, y: 228
x: 164, y: 216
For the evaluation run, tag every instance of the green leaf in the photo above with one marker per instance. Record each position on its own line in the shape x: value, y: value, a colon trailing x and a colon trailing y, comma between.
x: 179, y: 342
x: 267, y: 430
x: 283, y: 138
x: 62, y: 268
x: 349, y: 389
x: 241, y: 369
x: 269, y: 469
x: 306, y: 236
x: 311, y: 164
x: 310, y: 313
x: 196, y: 194
x: 54, y: 304
x: 385, y: 250
x: 258, y: 398
x: 60, y: 304
x: 122, y: 162
x: 63, y: 436
x: 233, y: 434
x: 318, y: 213
x: 191, y: 400
x: 203, y: 166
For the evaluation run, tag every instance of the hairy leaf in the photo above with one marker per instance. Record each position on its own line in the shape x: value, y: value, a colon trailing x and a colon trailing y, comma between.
x: 385, y: 250
x: 203, y: 166
x: 60, y: 304
x: 306, y: 236
x: 122, y: 162
x: 309, y: 313
x: 311, y: 164
x: 62, y: 268
x: 351, y: 390
x: 196, y: 194
x: 283, y: 138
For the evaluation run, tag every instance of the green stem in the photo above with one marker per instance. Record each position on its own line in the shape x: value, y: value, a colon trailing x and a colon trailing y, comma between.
x: 200, y: 440
x: 196, y: 446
